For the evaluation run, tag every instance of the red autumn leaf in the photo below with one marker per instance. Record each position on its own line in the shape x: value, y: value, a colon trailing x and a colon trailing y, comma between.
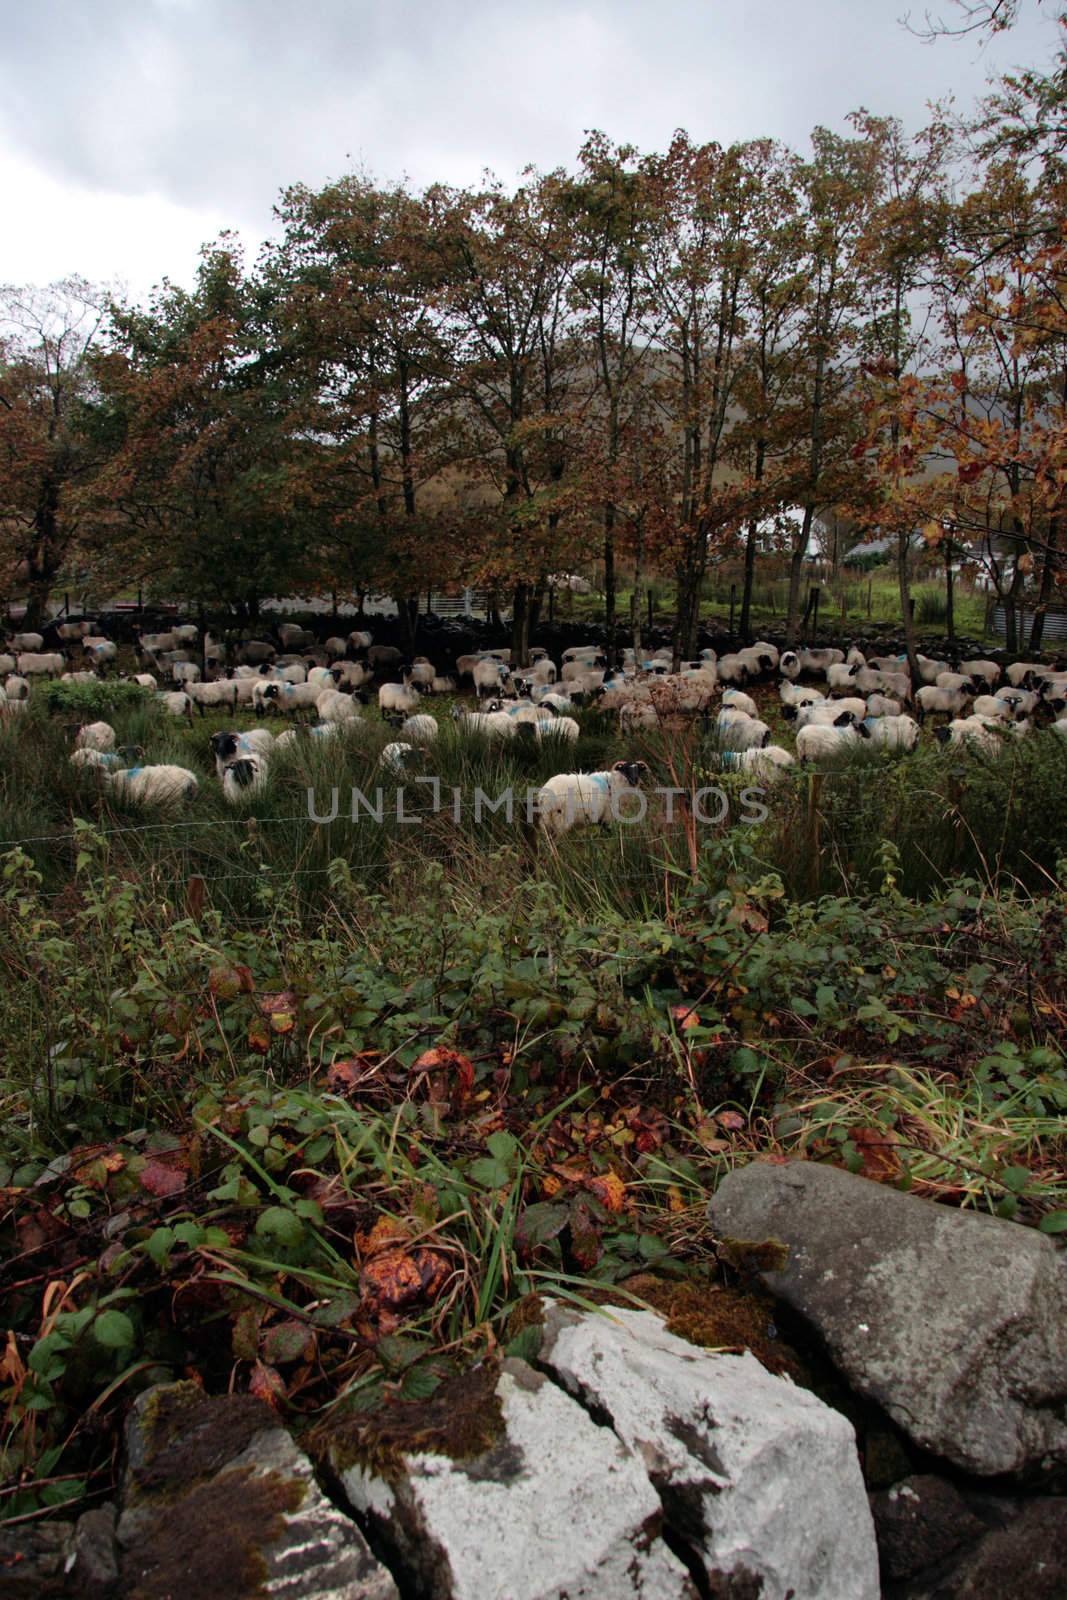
x: 685, y: 1018
x: 345, y: 1075
x: 968, y: 473
x: 732, y: 1121
x: 267, y: 1384
x: 453, y: 1064
x: 162, y: 1176
x: 877, y: 1150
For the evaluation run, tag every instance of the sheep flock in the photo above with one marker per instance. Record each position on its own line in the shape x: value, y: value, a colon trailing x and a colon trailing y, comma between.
x: 833, y: 702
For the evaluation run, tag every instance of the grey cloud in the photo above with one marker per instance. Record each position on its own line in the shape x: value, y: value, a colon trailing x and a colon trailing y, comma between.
x: 217, y: 104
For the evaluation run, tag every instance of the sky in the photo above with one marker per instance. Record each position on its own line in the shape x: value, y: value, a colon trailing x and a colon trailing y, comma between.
x: 134, y: 131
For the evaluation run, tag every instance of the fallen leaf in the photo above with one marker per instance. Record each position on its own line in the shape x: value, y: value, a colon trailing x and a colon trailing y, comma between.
x: 267, y: 1384
x: 609, y: 1190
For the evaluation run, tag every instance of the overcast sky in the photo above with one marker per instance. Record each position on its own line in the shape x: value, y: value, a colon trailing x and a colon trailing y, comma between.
x: 132, y: 131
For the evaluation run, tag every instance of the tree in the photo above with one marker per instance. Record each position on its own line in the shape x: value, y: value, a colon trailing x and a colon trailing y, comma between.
x: 212, y: 474
x: 505, y: 262
x: 614, y: 216
x: 51, y: 442
x: 840, y: 186
x: 358, y: 290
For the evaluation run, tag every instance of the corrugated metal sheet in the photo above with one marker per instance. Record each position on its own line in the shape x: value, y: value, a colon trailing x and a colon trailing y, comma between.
x: 1055, y: 624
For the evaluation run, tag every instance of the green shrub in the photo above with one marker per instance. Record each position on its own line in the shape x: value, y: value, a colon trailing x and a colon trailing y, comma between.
x: 102, y: 699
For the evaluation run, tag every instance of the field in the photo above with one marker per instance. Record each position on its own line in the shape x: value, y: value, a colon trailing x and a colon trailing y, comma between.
x: 243, y: 1049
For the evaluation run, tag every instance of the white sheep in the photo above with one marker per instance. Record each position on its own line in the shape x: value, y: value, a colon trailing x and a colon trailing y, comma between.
x: 229, y: 746
x: 289, y: 698
x: 987, y: 671
x: 877, y: 680
x: 572, y: 798
x: 332, y: 706
x: 16, y: 688
x: 324, y: 677
x: 400, y: 756
x: 27, y: 641
x: 819, y: 743
x: 738, y: 731
x: 185, y: 673
x: 422, y: 672
x: 1022, y: 702
x: 490, y: 724
x: 880, y: 705
x: 792, y: 694
x: 360, y: 640
x: 985, y: 734
x: 208, y: 696
x: 421, y: 726
x: 146, y: 680
x: 101, y: 760
x: 989, y: 706
x: 559, y: 729
x: 48, y: 665
x: 443, y: 685
x: 350, y: 674
x: 930, y: 698
x: 892, y: 733
x: 489, y: 676
x: 1019, y: 671
x: 95, y: 736
x: 769, y: 764
x: 1060, y: 727
x: 840, y: 675
x: 162, y: 785
x: 735, y: 700
x: 397, y: 699
x: 245, y: 776
x: 831, y: 714
x: 175, y: 702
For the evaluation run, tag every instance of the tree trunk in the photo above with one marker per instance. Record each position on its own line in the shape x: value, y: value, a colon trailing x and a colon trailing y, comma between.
x: 1044, y: 593
x: 744, y: 624
x: 537, y: 600
x: 636, y: 599
x: 904, y: 586
x: 520, y: 626
x: 609, y: 581
x: 796, y: 573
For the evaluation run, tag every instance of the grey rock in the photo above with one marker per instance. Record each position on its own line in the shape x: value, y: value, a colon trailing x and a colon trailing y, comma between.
x: 94, y: 1568
x: 33, y: 1560
x: 920, y: 1523
x: 1026, y: 1560
x: 956, y: 1323
x: 220, y: 1502
x: 557, y: 1507
x: 759, y: 1478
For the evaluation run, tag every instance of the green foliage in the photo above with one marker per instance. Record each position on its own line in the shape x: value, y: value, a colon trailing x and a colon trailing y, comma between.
x: 101, y: 700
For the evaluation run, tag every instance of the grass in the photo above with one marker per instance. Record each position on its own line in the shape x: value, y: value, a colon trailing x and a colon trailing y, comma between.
x: 845, y: 605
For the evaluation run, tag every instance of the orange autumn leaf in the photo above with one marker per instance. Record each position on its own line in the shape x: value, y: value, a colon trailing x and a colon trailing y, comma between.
x: 609, y: 1190
x: 397, y: 1279
x: 685, y: 1017
x: 387, y: 1231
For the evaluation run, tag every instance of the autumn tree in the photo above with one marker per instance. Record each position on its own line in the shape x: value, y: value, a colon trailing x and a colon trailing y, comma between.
x: 211, y: 474
x: 506, y: 261
x: 840, y: 187
x: 52, y: 441
x: 358, y: 295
